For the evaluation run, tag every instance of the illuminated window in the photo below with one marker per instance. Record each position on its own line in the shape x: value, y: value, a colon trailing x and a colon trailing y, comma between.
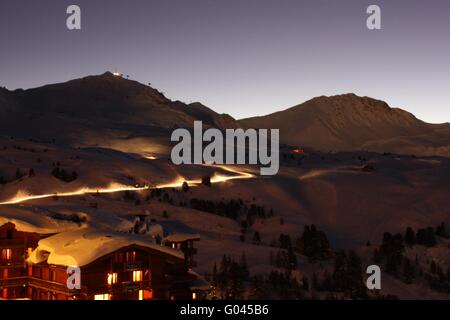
x: 137, y: 276
x: 145, y: 294
x: 173, y: 245
x: 105, y: 296
x: 6, y: 254
x: 194, y: 296
x: 112, y: 278
x: 5, y: 273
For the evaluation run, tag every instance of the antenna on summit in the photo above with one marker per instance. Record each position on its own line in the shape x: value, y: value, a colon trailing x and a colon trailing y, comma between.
x: 117, y: 73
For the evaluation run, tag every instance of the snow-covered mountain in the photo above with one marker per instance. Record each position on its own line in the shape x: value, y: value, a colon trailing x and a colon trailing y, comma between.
x: 349, y: 122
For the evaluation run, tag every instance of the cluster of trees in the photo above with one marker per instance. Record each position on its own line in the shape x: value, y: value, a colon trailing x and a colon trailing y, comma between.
x: 390, y: 253
x: 392, y: 247
x: 437, y: 279
x: 285, y: 257
x: 230, y: 209
x: 391, y: 256
x: 347, y: 277
x: 19, y: 174
x: 441, y: 231
x: 64, y: 175
x: 425, y: 237
x: 277, y: 285
x: 233, y: 209
x: 229, y: 279
x: 314, y: 244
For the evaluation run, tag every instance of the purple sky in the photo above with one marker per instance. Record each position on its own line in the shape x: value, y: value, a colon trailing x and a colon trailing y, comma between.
x: 242, y: 57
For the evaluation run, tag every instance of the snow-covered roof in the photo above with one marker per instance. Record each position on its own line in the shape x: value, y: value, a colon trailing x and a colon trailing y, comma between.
x: 176, y: 231
x: 81, y: 247
x: 199, y: 283
x: 180, y: 237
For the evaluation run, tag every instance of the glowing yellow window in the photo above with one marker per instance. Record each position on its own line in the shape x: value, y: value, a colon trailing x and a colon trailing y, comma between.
x: 112, y: 278
x: 6, y: 254
x: 194, y: 296
x: 137, y: 276
x: 105, y: 296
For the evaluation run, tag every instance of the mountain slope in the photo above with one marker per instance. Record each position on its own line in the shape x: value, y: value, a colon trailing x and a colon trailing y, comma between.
x: 96, y: 106
x: 350, y: 122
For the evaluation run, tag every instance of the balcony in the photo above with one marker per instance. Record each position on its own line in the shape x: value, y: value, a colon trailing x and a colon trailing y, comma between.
x: 14, y: 282
x: 12, y: 264
x: 128, y: 266
x: 52, y: 286
x: 121, y: 287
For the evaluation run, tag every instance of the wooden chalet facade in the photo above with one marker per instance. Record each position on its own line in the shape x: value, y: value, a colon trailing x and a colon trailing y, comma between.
x: 133, y: 272
x: 15, y: 246
x: 185, y: 243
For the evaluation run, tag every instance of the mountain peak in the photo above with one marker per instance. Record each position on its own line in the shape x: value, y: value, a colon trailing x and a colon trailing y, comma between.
x: 350, y: 99
x: 347, y: 122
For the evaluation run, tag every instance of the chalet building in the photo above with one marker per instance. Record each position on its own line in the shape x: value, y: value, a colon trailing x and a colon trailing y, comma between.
x: 175, y: 236
x: 185, y: 243
x: 15, y: 246
x: 112, y: 265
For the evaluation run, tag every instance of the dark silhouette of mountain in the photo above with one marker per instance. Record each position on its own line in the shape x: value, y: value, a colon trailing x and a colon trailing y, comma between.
x: 349, y: 122
x: 97, y: 105
x: 97, y: 109
x: 113, y: 98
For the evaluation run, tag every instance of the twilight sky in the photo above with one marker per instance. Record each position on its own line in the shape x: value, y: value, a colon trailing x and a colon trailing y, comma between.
x: 242, y: 57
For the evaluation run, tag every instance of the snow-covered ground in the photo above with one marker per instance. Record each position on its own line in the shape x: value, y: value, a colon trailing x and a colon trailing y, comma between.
x: 332, y: 191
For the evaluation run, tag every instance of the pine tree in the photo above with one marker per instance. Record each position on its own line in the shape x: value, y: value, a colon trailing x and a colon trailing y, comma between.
x: 440, y: 230
x: 410, y: 237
